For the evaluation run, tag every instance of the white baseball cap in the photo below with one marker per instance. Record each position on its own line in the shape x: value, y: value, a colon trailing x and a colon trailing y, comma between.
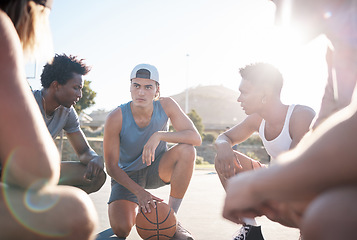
x: 146, y: 71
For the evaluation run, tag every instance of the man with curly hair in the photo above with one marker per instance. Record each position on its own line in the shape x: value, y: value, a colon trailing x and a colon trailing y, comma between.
x: 62, y: 87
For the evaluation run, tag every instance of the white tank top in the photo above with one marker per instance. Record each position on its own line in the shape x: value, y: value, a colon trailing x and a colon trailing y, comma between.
x: 282, y: 142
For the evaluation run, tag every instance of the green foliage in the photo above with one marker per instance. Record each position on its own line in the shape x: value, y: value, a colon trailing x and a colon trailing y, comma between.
x: 199, y: 160
x: 252, y: 155
x: 87, y: 99
x: 208, y: 137
x: 197, y: 121
x: 253, y: 140
x: 171, y: 128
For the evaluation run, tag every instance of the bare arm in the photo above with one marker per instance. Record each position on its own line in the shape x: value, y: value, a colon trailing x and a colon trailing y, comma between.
x: 185, y: 131
x: 25, y: 143
x: 111, y: 148
x: 341, y: 80
x: 226, y: 161
x: 86, y: 154
x: 330, y: 147
x: 300, y: 123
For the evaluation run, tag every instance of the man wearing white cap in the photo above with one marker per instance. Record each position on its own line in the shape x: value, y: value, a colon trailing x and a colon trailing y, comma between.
x: 136, y: 153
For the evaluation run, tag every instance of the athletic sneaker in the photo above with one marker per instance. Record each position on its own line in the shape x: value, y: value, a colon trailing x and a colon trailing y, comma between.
x: 249, y: 232
x: 181, y: 233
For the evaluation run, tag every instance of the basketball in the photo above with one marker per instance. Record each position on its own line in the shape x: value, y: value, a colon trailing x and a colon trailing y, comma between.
x: 160, y: 224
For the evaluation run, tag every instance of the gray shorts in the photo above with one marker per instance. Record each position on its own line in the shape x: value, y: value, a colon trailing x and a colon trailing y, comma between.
x: 147, y: 178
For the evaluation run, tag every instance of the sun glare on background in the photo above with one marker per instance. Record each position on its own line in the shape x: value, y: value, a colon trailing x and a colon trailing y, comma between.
x: 191, y: 44
x: 302, y: 64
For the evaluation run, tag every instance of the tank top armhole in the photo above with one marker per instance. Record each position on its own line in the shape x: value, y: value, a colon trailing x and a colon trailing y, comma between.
x: 261, y: 130
x: 288, y: 117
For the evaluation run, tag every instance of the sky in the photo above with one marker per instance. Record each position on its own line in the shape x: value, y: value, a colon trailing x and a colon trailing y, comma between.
x: 191, y: 42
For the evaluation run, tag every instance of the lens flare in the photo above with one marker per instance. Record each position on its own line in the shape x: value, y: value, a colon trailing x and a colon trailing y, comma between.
x: 29, y: 207
x: 327, y: 15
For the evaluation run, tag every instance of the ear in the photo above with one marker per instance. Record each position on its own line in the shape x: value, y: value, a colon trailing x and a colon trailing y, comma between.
x: 157, y: 94
x: 54, y: 85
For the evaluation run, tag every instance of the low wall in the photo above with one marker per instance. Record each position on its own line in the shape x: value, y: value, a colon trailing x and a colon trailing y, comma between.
x: 206, y: 150
x: 68, y: 154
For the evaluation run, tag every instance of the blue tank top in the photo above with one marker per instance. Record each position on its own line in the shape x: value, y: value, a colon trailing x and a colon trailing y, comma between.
x: 133, y: 138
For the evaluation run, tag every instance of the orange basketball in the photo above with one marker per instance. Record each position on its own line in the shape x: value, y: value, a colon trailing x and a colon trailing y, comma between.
x: 160, y: 224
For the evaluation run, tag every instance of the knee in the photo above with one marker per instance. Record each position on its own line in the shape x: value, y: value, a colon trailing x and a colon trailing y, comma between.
x: 188, y: 151
x: 122, y: 230
x: 122, y: 217
x: 82, y: 218
x: 98, y: 182
x: 333, y: 208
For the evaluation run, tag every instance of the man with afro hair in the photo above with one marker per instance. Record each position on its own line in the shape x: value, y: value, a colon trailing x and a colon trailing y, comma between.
x: 62, y: 85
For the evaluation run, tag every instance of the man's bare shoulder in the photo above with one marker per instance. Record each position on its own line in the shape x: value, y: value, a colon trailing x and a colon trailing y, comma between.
x: 5, y: 23
x: 114, y: 115
x: 168, y: 103
x: 8, y: 39
x: 303, y: 111
x: 299, y: 107
x: 301, y: 120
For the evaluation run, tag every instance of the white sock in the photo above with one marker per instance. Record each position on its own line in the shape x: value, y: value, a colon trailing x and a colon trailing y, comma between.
x: 175, y: 203
x: 250, y: 221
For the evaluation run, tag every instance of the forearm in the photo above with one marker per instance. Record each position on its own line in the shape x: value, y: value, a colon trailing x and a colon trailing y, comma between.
x: 257, y: 164
x: 87, y: 156
x: 184, y: 136
x: 22, y: 156
x: 223, y: 142
x: 326, y: 159
x: 122, y: 178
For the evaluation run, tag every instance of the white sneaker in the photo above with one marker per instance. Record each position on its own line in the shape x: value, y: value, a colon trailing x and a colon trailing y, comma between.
x: 249, y: 232
x: 181, y: 233
x: 242, y: 233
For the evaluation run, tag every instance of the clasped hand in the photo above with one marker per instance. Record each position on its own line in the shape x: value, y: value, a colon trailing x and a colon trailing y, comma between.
x: 227, y: 164
x: 94, y: 167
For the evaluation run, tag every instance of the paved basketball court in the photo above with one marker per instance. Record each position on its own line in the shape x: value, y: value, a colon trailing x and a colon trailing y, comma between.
x: 200, y: 212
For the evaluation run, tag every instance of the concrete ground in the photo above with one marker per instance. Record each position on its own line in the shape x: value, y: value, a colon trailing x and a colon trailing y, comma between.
x: 200, y: 212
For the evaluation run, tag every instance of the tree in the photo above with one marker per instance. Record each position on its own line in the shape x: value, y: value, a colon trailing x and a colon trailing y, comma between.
x: 87, y: 99
x: 197, y: 121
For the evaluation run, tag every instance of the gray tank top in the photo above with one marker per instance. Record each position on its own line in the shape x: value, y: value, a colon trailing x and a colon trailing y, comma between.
x: 133, y: 138
x: 62, y: 118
